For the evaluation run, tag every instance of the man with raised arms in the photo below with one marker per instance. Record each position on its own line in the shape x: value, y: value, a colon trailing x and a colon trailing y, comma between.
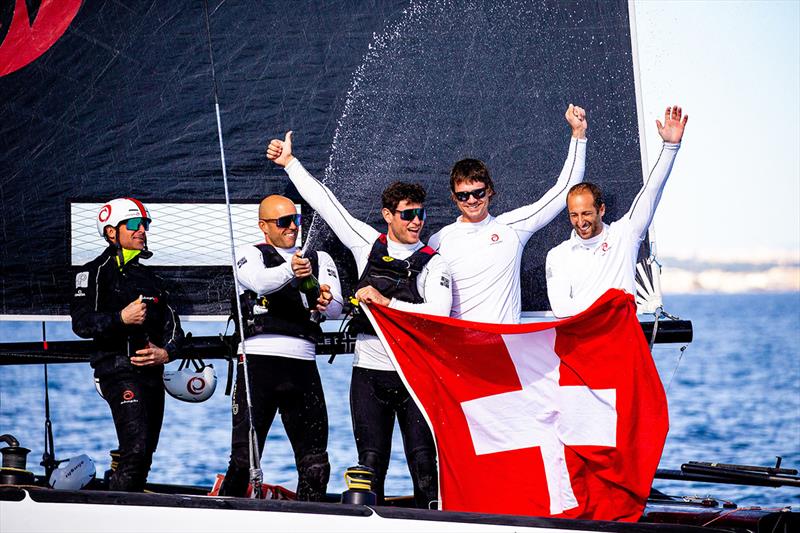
x: 485, y: 252
x: 597, y: 256
x: 395, y: 269
x: 280, y: 332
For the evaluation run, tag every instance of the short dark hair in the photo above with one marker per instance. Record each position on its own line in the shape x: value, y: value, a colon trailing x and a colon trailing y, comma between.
x: 470, y: 170
x: 589, y: 187
x: 402, y: 190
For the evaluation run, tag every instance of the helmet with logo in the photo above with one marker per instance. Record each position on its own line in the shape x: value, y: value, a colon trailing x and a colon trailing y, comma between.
x: 119, y: 210
x: 74, y: 473
x: 194, y: 381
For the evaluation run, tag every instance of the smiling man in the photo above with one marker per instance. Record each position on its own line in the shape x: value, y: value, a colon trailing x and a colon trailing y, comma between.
x: 485, y: 252
x: 395, y: 269
x: 280, y: 333
x: 597, y: 256
x: 123, y: 306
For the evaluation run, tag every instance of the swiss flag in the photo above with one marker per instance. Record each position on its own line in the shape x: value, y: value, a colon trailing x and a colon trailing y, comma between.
x: 563, y: 418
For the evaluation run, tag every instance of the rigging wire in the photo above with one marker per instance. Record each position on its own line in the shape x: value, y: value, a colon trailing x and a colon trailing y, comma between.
x: 256, y: 475
x: 49, y: 454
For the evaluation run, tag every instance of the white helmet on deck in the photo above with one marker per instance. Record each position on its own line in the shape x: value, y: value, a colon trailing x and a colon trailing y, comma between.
x: 191, y: 384
x: 119, y: 210
x: 74, y: 473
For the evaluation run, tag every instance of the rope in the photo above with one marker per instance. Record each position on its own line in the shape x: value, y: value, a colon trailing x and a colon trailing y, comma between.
x: 256, y: 475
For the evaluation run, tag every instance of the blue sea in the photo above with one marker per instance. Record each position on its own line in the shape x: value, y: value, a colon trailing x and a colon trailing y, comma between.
x: 734, y: 397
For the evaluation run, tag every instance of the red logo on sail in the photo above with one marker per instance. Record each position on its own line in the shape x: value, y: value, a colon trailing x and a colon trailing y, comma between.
x: 31, y: 33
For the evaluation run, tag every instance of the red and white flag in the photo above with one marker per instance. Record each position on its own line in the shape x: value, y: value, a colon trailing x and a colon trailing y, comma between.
x: 563, y: 418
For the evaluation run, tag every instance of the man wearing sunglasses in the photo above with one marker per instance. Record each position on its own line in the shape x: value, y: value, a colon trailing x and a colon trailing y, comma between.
x: 485, y: 252
x: 280, y: 330
x: 599, y: 256
x: 123, y: 306
x: 395, y: 269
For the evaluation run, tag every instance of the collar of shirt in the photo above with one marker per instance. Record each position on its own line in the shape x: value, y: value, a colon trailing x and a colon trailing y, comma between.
x: 398, y: 248
x: 475, y: 225
x: 286, y: 253
x: 589, y: 244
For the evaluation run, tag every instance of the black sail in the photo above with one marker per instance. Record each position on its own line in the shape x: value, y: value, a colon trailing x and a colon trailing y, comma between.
x: 122, y: 105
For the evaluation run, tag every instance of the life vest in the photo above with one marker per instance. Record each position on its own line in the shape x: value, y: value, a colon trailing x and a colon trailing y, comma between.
x: 281, y: 312
x: 392, y: 277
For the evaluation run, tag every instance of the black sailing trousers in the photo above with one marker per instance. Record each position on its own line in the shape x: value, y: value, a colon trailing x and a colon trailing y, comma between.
x: 293, y: 388
x: 376, y: 397
x: 137, y: 406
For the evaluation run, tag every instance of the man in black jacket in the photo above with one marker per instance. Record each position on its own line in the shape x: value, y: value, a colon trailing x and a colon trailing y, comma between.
x: 122, y: 305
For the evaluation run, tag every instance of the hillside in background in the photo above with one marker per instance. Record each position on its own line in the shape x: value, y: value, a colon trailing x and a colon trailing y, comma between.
x: 731, y: 272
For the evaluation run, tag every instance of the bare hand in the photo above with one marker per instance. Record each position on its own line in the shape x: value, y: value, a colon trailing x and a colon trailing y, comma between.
x: 134, y: 313
x: 325, y: 297
x: 281, y: 151
x: 300, y: 265
x: 672, y: 129
x: 152, y: 355
x: 370, y: 294
x: 576, y: 118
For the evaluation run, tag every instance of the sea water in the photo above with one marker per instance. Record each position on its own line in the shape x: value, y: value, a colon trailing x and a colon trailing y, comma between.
x: 734, y: 397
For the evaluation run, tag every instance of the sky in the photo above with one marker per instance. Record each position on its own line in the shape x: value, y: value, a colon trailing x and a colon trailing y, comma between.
x: 734, y: 68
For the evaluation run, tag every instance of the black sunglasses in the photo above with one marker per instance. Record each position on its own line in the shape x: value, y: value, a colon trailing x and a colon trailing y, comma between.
x: 132, y: 224
x: 409, y: 214
x: 463, y: 196
x: 286, y: 221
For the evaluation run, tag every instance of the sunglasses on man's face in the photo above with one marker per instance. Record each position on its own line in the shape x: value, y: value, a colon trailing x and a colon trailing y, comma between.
x: 463, y: 196
x: 409, y: 214
x: 132, y: 224
x: 286, y: 221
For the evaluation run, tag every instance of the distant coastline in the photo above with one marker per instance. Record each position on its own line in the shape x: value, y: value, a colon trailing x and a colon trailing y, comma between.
x: 731, y: 273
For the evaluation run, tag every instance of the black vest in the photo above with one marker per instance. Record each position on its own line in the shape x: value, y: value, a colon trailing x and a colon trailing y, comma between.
x: 392, y: 277
x: 281, y: 312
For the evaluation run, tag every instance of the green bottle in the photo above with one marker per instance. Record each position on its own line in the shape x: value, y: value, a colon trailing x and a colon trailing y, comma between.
x: 309, y: 286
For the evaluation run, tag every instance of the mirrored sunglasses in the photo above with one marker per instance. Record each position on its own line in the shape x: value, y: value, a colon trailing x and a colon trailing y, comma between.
x: 286, y: 221
x: 132, y: 224
x: 409, y: 214
x: 463, y: 196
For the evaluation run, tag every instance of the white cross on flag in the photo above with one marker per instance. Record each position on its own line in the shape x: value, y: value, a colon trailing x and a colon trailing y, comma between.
x: 563, y: 418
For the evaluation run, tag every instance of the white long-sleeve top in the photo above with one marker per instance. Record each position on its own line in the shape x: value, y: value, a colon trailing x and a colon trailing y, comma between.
x: 580, y: 270
x: 254, y: 276
x: 433, y: 283
x: 485, y: 256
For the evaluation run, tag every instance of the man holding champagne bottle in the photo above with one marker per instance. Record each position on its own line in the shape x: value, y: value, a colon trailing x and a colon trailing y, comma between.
x: 283, y: 292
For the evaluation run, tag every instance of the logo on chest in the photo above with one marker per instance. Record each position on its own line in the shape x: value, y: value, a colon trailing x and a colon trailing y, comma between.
x: 494, y: 238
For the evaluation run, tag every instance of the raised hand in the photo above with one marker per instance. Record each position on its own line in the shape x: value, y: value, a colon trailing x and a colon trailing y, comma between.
x: 281, y: 151
x: 672, y: 129
x: 576, y: 118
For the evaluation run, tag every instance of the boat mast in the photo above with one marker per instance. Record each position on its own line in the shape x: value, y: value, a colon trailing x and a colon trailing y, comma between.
x: 256, y: 475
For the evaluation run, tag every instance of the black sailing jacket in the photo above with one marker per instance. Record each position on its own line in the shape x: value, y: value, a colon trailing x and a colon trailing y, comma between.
x: 102, y: 290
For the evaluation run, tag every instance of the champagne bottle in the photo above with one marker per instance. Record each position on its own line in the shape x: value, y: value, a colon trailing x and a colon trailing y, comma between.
x: 309, y: 286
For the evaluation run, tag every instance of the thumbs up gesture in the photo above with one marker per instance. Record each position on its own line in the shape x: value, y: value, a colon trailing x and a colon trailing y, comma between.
x: 280, y: 151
